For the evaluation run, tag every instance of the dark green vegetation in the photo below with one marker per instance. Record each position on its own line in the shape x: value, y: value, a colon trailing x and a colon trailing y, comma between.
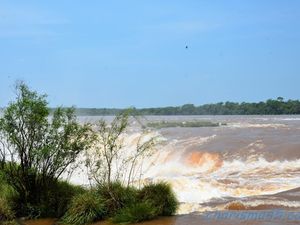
x: 135, y: 213
x: 36, y: 150
x: 84, y: 209
x: 7, y: 197
x: 269, y: 107
x: 6, y: 212
x: 116, y: 202
x: 56, y: 200
x: 161, y: 197
x: 199, y: 123
x: 117, y: 196
x: 121, y: 204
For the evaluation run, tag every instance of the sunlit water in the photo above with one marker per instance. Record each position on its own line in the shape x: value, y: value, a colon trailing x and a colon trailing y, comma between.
x: 251, y: 160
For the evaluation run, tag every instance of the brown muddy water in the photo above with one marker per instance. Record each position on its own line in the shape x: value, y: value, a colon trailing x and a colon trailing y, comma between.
x: 238, y: 218
x: 248, y: 161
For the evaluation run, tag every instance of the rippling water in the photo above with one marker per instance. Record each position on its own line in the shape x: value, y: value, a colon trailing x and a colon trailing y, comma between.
x: 195, y: 220
x: 247, y: 163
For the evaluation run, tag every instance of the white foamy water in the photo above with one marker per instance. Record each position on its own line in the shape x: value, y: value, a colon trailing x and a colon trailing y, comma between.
x: 257, y: 125
x: 249, y: 157
x: 200, y: 177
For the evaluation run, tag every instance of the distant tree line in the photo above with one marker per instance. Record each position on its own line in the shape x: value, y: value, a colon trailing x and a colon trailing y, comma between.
x: 269, y: 107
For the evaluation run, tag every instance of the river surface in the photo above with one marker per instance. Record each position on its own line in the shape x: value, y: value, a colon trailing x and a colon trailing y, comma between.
x: 245, y: 164
x: 287, y: 218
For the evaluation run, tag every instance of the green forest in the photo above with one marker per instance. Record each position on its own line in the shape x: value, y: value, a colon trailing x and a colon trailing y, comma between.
x: 270, y: 107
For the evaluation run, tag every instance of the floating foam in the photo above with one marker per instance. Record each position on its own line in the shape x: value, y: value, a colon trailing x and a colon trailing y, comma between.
x: 201, y: 176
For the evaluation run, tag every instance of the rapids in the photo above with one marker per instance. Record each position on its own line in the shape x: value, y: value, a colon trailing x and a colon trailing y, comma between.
x: 248, y: 161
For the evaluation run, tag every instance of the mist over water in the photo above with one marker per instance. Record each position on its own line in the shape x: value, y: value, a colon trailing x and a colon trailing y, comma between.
x: 249, y: 163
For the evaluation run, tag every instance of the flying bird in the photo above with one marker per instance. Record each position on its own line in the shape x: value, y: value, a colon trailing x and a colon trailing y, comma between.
x: 186, y: 47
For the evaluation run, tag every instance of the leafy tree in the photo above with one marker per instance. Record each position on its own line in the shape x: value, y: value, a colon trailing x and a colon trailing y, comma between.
x: 36, y: 148
x: 111, y: 161
x: 280, y: 99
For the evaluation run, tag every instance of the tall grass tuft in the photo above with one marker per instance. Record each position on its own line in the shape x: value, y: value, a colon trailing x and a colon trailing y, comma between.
x: 84, y: 209
x: 7, y: 199
x: 135, y: 213
x: 161, y: 196
x: 6, y: 212
x: 117, y: 196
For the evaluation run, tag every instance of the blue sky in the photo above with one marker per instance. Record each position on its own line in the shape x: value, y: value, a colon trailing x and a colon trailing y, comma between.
x: 132, y: 53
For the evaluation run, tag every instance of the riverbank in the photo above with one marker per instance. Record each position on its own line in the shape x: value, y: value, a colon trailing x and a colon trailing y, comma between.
x: 260, y: 217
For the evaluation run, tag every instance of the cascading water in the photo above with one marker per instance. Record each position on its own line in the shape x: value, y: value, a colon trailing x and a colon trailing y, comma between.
x: 243, y: 164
